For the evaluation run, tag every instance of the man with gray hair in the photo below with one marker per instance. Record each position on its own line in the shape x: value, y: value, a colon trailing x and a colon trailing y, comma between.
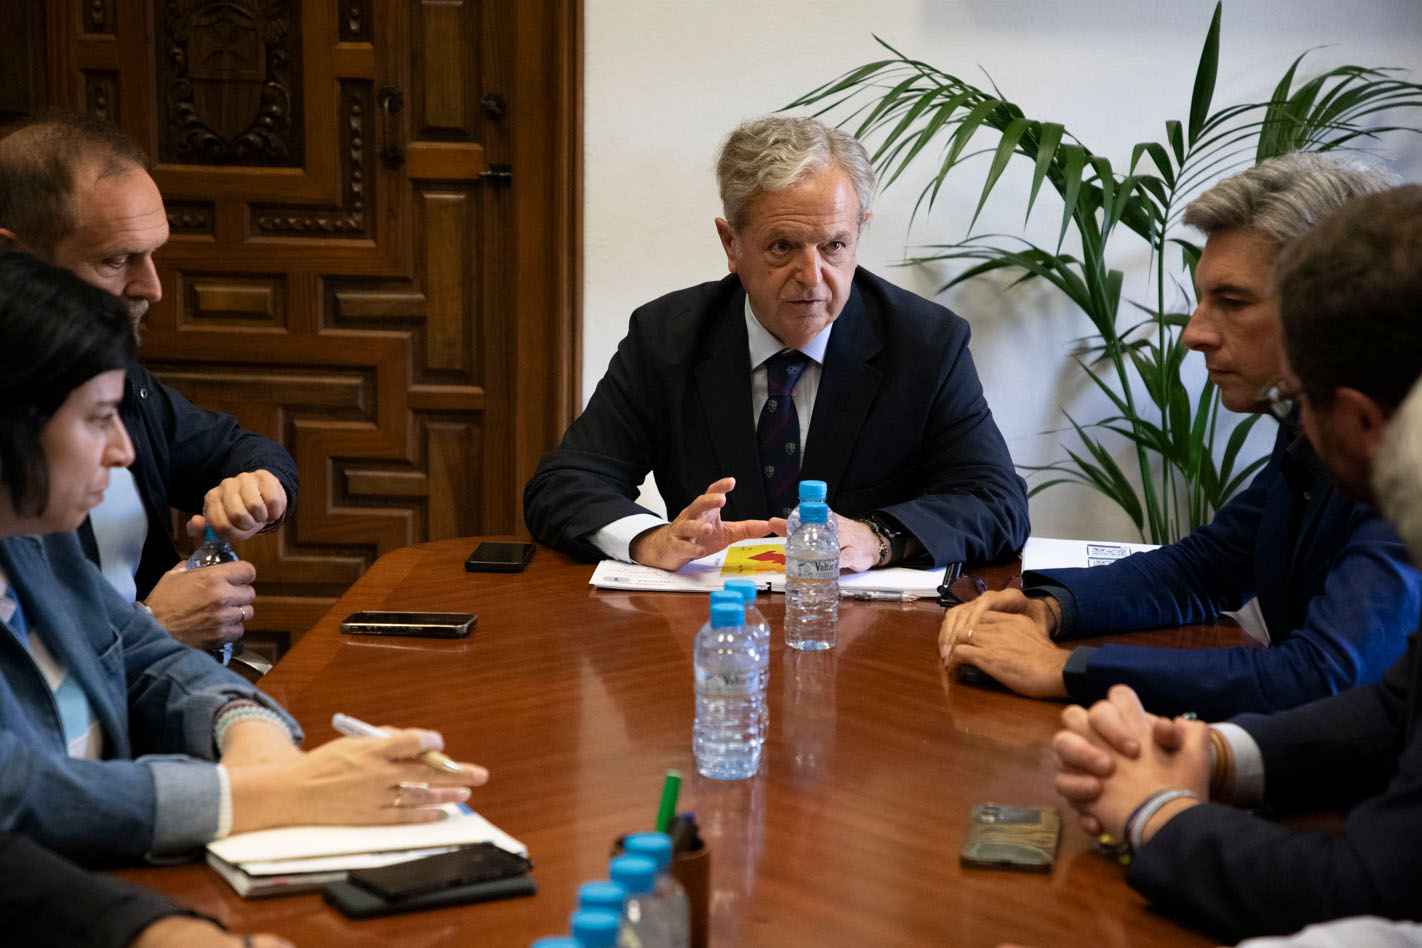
x: 799, y: 365
x: 1334, y: 585
x: 1180, y: 793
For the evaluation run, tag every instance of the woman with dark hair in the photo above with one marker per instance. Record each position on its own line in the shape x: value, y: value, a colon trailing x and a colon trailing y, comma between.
x: 117, y: 741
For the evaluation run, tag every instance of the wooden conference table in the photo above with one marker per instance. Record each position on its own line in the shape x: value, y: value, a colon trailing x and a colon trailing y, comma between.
x: 579, y: 700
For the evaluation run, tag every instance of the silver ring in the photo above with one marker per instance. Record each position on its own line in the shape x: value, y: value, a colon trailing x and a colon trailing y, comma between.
x: 969, y: 639
x: 247, y: 613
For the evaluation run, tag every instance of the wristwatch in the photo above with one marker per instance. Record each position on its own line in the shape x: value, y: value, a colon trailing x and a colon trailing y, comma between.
x: 893, y: 539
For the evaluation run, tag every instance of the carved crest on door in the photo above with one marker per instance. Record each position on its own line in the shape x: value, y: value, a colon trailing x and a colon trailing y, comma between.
x: 229, y: 71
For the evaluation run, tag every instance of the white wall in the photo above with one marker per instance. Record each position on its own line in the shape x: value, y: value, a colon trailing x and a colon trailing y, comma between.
x: 665, y: 81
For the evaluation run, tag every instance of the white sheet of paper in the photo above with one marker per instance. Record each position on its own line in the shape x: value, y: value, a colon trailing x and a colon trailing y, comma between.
x: 463, y: 827
x: 1049, y: 553
x: 704, y: 576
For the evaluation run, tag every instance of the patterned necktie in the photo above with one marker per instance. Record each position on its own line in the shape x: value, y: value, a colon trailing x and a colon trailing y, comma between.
x: 778, y: 433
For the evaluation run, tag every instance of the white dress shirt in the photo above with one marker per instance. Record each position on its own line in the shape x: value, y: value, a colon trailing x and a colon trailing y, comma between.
x: 615, y: 539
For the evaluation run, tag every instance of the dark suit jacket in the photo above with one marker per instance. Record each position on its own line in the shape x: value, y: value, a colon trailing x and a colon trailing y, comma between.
x: 1236, y: 874
x: 1334, y: 583
x: 181, y: 452
x: 899, y: 425
x: 48, y: 902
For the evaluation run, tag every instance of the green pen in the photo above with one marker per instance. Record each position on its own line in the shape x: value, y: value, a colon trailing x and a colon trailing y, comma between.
x: 667, y: 811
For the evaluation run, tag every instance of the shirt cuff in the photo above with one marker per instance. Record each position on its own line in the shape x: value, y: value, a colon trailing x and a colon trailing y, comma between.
x: 187, y: 802
x: 224, y: 804
x: 1248, y: 789
x: 615, y: 539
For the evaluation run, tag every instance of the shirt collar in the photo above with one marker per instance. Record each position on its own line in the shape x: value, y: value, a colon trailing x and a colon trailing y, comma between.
x: 763, y: 344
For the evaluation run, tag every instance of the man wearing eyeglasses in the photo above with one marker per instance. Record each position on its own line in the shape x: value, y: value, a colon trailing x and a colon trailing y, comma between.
x: 1333, y: 583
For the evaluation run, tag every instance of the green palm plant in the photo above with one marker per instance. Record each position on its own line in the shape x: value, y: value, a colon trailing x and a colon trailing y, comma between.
x: 904, y: 106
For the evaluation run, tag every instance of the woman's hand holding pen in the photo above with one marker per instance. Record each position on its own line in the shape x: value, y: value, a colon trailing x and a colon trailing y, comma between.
x: 353, y: 781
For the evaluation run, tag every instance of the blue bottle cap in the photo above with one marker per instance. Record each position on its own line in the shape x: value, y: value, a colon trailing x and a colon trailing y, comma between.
x: 655, y: 846
x: 595, y: 929
x: 814, y: 511
x: 636, y: 874
x: 556, y: 941
x: 602, y: 896
x: 209, y: 535
x: 724, y: 615
x: 813, y: 490
x: 727, y: 595
x: 746, y: 587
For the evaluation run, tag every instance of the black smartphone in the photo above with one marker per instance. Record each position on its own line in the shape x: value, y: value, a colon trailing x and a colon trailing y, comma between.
x: 494, y: 556
x: 484, y: 862
x: 356, y: 902
x: 1011, y: 837
x: 432, y: 625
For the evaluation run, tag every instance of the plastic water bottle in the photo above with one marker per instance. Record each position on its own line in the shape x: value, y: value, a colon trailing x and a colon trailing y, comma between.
x: 810, y: 490
x: 729, y: 732
x: 603, y: 896
x: 555, y: 941
x: 755, y: 619
x: 214, y: 550
x: 812, y: 582
x: 760, y: 629
x: 646, y: 921
x: 658, y: 848
x: 595, y: 929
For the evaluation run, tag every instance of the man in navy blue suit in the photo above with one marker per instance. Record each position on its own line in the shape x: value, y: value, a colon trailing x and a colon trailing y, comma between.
x: 1333, y: 582
x: 797, y: 365
x: 1351, y: 293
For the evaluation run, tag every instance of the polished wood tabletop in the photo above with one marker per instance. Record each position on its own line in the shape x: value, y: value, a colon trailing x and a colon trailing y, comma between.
x: 579, y: 700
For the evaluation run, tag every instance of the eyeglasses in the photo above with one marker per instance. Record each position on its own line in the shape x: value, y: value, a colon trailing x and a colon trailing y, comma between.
x: 1280, y: 400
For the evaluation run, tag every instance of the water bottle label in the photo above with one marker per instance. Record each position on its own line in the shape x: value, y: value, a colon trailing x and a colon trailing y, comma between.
x: 728, y: 683
x: 812, y: 569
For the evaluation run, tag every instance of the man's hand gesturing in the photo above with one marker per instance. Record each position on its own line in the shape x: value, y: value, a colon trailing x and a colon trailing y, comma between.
x: 697, y: 531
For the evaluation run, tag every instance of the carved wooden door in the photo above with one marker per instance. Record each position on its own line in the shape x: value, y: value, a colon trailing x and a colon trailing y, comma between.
x: 353, y: 269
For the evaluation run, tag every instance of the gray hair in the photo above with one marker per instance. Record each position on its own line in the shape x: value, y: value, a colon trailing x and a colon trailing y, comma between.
x: 1395, y: 481
x: 778, y: 151
x: 1283, y: 197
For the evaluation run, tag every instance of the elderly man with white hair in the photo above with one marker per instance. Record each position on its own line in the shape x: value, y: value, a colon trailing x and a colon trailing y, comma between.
x: 798, y: 365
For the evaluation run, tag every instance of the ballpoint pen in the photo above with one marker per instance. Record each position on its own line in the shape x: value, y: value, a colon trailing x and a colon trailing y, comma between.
x: 877, y: 595
x: 354, y: 727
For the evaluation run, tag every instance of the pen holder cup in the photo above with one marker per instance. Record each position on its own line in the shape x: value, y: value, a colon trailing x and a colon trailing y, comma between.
x: 693, y: 871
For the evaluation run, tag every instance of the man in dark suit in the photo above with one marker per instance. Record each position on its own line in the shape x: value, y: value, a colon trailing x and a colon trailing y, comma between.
x: 1333, y: 583
x: 720, y: 389
x: 1351, y: 301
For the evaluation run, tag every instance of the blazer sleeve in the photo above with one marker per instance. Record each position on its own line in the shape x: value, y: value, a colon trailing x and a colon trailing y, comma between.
x: 1183, y: 583
x: 592, y: 478
x: 49, y: 902
x: 204, y: 447
x: 1237, y: 874
x: 974, y: 508
x: 1352, y: 631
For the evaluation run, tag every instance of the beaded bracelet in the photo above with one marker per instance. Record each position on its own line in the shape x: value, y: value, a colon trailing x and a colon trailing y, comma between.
x: 1141, y: 815
x: 241, y: 710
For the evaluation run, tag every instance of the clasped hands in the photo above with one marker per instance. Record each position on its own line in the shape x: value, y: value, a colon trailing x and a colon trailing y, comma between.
x: 210, y: 607
x: 1114, y: 756
x: 699, y: 531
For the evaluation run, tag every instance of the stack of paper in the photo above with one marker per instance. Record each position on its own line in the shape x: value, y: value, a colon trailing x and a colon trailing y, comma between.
x: 302, y: 858
x: 1049, y: 553
x: 762, y: 561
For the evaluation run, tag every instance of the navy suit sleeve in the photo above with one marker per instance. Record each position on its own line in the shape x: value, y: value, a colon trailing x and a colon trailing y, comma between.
x: 1352, y: 631
x: 974, y: 508
x: 1236, y: 874
x: 207, y: 446
x: 592, y: 478
x: 1184, y: 583
x: 49, y: 902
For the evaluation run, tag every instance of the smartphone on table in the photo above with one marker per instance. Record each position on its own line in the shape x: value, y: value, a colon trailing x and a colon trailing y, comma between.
x: 497, y: 556
x: 478, y: 873
x: 433, y: 625
x: 1012, y: 837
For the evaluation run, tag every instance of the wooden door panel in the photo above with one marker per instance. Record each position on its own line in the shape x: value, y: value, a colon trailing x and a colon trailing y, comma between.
x: 341, y: 272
